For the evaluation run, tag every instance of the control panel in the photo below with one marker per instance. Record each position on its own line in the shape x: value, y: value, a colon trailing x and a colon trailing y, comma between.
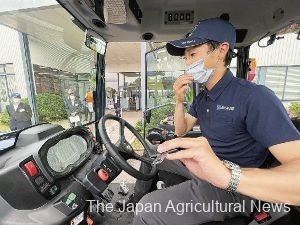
x: 38, y: 179
x: 99, y: 177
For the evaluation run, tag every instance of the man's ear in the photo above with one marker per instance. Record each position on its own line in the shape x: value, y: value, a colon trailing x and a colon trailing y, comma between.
x: 224, y: 48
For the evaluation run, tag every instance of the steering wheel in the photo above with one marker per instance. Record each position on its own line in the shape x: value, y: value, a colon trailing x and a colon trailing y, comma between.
x: 122, y: 150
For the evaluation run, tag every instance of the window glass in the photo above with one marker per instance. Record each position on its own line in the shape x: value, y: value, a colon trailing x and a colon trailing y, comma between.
x: 292, y: 84
x: 277, y: 67
x: 9, y: 68
x: 1, y: 68
x: 62, y: 73
x: 162, y: 70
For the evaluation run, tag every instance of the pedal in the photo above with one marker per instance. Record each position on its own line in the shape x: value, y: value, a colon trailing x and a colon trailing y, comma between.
x: 122, y: 204
x: 160, y: 185
x: 107, y: 196
x: 123, y: 189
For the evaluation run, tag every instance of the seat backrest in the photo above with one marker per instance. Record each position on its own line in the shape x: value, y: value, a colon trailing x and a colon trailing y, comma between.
x: 296, y: 122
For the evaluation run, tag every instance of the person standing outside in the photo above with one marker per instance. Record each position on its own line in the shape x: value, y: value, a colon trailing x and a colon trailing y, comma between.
x: 117, y: 105
x: 19, y: 113
x: 89, y: 109
x: 74, y: 108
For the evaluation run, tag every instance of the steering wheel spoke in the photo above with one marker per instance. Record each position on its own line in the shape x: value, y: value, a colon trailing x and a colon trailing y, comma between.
x: 123, y: 150
x: 142, y: 158
x: 125, y: 155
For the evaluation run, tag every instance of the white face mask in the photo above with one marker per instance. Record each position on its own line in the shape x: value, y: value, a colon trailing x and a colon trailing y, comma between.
x: 16, y: 100
x: 199, y: 72
x: 72, y: 97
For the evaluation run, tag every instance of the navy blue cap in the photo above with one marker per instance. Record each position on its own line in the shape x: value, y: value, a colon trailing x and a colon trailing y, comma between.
x: 15, y: 95
x: 214, y: 29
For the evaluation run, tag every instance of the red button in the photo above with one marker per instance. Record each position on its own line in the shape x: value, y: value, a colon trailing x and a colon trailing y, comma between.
x: 103, y: 175
x: 262, y: 216
x: 31, y: 168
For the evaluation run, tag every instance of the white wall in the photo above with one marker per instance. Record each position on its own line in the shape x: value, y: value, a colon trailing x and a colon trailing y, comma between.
x: 283, y: 52
x: 12, y: 5
x: 10, y: 52
x: 61, y: 57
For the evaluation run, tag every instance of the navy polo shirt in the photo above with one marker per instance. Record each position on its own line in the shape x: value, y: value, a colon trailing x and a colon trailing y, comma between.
x: 241, y: 120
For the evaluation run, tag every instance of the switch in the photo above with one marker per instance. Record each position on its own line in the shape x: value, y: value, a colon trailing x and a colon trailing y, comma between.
x: 44, y: 187
x: 39, y: 180
x: 54, y: 190
x: 262, y: 217
x: 31, y: 168
x: 103, y: 175
x: 70, y: 199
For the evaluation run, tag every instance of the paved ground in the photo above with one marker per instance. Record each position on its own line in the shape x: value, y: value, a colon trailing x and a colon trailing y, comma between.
x: 113, y: 131
x: 132, y: 117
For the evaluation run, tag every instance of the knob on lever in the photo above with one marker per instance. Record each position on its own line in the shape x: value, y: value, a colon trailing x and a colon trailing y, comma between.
x: 103, y: 174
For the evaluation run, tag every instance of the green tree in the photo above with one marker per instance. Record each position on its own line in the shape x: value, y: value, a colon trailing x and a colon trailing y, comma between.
x: 295, y: 109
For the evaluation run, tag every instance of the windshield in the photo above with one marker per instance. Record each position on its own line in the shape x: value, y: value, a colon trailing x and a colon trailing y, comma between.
x: 162, y: 70
x: 47, y: 75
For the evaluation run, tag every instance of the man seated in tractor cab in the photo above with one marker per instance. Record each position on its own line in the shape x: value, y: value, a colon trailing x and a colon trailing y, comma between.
x: 243, y: 125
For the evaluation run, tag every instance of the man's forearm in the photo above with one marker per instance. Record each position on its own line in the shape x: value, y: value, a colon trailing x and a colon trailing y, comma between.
x: 279, y: 184
x: 179, y: 119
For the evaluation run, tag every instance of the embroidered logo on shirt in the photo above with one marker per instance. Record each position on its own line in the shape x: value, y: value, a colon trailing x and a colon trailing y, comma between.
x: 227, y: 108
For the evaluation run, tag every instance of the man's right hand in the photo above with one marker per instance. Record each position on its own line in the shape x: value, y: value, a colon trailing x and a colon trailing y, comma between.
x: 181, y: 85
x: 198, y: 156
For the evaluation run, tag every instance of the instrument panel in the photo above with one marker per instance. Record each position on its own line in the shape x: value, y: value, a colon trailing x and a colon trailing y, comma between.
x: 31, y: 172
x: 64, y: 153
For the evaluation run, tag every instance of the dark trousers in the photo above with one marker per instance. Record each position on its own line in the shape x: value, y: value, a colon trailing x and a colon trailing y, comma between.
x: 18, y: 125
x: 88, y: 116
x: 213, y: 204
x: 117, y: 109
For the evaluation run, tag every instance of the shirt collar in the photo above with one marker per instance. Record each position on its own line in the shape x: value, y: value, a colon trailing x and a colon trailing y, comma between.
x: 217, y: 90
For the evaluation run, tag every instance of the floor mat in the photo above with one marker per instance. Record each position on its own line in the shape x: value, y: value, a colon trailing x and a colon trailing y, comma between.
x: 117, y: 216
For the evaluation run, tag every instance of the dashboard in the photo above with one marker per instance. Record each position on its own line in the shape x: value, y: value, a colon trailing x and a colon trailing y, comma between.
x: 64, y: 153
x: 38, y: 174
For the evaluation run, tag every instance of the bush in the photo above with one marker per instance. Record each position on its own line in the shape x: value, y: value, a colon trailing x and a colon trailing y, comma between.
x: 157, y: 115
x: 51, y: 107
x: 295, y: 109
x: 4, y: 118
x: 139, y: 126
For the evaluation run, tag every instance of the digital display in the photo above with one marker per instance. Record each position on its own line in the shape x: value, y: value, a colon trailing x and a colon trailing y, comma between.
x: 66, y: 153
x: 177, y: 17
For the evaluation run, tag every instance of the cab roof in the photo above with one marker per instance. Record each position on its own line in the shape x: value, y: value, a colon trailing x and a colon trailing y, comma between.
x: 164, y: 20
